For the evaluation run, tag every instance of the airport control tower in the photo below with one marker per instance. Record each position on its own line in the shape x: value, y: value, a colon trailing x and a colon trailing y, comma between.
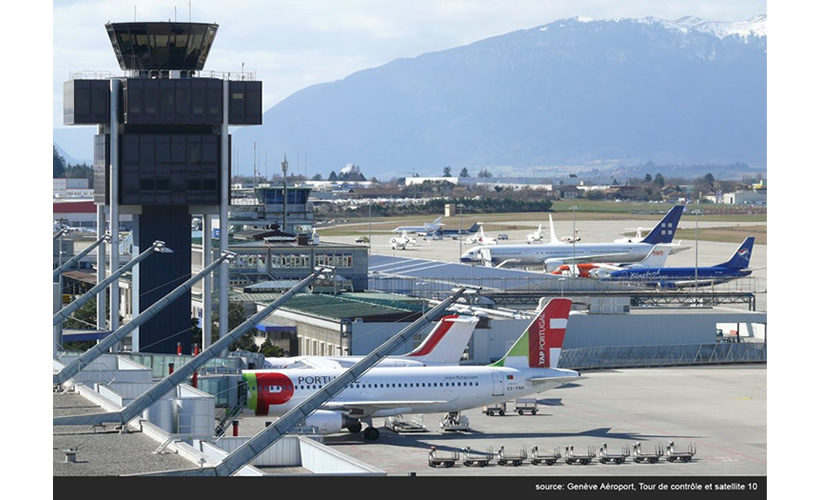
x: 162, y: 154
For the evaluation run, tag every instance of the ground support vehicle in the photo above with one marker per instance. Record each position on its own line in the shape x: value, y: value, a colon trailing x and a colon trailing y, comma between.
x: 515, y: 459
x: 528, y: 405
x: 399, y: 425
x: 639, y: 456
x: 683, y: 456
x: 606, y: 456
x: 571, y: 457
x: 546, y: 458
x: 447, y: 459
x: 496, y: 409
x: 471, y: 458
x: 454, y: 421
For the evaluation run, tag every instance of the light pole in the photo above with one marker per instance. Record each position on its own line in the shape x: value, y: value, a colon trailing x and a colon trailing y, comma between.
x: 460, y: 208
x: 697, y: 214
x: 284, y: 228
x: 572, y: 268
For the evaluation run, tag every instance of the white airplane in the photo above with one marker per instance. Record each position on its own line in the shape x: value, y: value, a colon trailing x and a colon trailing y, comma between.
x: 402, y: 242
x: 444, y: 345
x: 553, y: 255
x: 424, y: 230
x: 535, y: 236
x: 629, y: 239
x: 563, y: 239
x: 529, y: 367
x: 481, y: 238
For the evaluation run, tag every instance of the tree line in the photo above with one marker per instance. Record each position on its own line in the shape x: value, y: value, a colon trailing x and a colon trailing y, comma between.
x: 63, y: 169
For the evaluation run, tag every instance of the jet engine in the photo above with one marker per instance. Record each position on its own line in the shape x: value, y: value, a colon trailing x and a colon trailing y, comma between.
x: 329, y: 422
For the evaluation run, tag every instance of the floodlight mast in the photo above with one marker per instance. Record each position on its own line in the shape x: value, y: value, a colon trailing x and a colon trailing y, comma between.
x: 252, y: 448
x: 57, y: 272
x: 157, y: 247
x: 96, y: 351
x: 152, y: 395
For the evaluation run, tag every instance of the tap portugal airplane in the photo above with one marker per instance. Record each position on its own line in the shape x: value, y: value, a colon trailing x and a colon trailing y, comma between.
x: 529, y: 367
x: 444, y: 345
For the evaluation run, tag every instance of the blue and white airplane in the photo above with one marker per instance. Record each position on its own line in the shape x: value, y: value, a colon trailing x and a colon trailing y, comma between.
x: 677, y: 277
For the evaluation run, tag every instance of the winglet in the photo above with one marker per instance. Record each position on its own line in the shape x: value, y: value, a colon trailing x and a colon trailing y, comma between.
x: 664, y: 231
x: 540, y: 344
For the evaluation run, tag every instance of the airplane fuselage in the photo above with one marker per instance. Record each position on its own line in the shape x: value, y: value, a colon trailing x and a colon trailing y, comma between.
x: 677, y: 274
x: 538, y: 253
x: 399, y: 391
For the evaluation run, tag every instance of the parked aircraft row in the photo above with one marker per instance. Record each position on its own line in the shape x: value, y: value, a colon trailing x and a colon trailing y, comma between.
x: 555, y: 254
x: 529, y: 367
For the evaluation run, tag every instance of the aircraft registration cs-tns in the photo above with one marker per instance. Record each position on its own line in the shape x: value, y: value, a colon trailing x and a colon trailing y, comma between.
x: 553, y: 255
x: 529, y: 367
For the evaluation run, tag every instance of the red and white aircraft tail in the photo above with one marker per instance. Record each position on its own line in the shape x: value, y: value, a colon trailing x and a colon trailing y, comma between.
x: 444, y: 345
x: 446, y: 342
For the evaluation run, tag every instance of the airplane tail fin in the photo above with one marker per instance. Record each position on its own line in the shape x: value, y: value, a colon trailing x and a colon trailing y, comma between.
x: 447, y: 341
x: 664, y: 231
x: 540, y: 344
x: 553, y: 238
x: 742, y: 256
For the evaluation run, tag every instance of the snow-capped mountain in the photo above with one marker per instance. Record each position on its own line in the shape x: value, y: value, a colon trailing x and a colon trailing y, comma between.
x: 755, y: 26
x: 576, y: 92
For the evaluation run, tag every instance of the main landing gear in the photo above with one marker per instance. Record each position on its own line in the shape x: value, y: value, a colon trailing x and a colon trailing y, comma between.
x: 371, y: 433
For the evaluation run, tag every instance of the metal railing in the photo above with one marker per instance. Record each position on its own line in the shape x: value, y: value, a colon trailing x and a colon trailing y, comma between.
x: 594, y: 358
x: 508, y: 290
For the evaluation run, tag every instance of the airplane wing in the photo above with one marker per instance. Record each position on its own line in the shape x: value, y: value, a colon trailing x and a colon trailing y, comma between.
x: 557, y: 380
x: 362, y: 409
x: 603, y: 257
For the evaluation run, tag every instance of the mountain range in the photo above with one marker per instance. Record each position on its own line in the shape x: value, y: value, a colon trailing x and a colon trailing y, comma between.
x: 570, y: 96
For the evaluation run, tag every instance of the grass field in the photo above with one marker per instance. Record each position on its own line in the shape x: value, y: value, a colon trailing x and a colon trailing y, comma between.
x: 586, y: 211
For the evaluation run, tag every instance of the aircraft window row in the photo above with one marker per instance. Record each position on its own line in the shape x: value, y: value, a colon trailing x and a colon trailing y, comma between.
x: 279, y: 388
x: 414, y: 384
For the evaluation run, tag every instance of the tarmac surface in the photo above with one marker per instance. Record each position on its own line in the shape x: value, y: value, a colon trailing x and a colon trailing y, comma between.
x: 720, y: 410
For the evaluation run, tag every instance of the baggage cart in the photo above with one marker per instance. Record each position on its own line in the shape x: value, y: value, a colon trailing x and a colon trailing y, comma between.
x: 436, y: 458
x: 545, y: 458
